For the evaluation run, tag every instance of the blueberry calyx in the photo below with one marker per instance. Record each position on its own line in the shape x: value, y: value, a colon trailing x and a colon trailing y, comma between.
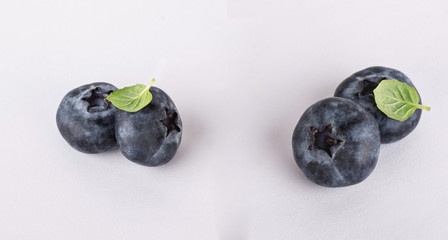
x: 324, y: 140
x: 368, y: 87
x: 170, y: 122
x: 96, y: 99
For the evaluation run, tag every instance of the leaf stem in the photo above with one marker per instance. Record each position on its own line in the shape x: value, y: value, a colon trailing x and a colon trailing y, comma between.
x: 423, y: 107
x: 149, y: 85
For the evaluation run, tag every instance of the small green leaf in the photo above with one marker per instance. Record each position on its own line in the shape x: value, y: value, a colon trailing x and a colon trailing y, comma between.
x: 131, y: 99
x: 396, y: 99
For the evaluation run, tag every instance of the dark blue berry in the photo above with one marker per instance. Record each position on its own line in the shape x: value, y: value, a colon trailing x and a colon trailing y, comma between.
x: 86, y: 119
x: 359, y: 88
x: 336, y: 143
x: 152, y: 135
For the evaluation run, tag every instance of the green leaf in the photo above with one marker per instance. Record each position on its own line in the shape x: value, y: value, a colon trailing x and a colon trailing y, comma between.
x: 131, y: 99
x: 396, y: 99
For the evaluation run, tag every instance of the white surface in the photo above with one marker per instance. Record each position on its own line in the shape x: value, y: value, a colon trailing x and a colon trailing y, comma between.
x: 241, y: 74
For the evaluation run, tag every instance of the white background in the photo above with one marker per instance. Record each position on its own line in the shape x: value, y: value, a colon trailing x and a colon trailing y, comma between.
x: 241, y: 73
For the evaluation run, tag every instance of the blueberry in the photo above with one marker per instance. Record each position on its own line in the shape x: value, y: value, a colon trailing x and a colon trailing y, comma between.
x: 336, y: 142
x: 359, y: 88
x: 86, y: 119
x: 150, y: 136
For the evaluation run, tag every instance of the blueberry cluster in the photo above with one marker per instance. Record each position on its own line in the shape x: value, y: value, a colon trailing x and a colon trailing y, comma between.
x: 92, y: 124
x: 337, y: 140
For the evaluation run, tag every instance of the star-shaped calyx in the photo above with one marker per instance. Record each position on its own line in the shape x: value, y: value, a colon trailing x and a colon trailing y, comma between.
x: 324, y: 140
x: 96, y: 99
x: 170, y: 122
x: 368, y: 87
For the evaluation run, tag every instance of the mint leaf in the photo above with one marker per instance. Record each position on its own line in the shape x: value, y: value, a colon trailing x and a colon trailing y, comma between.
x: 131, y: 99
x: 396, y: 99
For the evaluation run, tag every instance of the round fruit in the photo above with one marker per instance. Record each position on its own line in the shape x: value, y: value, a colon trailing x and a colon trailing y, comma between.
x: 359, y: 88
x: 86, y: 119
x: 336, y: 143
x: 152, y: 135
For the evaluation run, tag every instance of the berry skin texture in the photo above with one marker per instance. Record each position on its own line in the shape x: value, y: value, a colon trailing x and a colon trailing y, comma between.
x: 152, y: 135
x: 86, y: 119
x: 359, y: 88
x: 336, y: 143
